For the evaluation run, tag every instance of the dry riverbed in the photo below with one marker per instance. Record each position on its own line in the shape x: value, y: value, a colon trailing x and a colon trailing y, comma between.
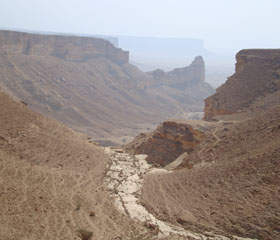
x: 124, y: 180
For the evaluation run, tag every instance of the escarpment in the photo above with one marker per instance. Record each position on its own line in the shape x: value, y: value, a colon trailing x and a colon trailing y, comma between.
x: 70, y: 48
x: 257, y: 75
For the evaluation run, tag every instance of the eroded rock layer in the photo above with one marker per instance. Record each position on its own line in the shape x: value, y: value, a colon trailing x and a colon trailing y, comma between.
x: 71, y: 48
x: 167, y: 142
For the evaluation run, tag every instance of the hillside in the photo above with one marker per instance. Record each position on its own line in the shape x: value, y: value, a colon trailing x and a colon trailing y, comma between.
x: 228, y: 181
x: 51, y: 182
x: 89, y: 84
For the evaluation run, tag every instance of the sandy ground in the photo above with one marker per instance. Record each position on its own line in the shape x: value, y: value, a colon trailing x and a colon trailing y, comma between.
x: 52, y: 182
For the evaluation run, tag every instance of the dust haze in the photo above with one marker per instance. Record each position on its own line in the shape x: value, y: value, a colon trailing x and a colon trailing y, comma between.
x: 139, y: 120
x: 221, y: 28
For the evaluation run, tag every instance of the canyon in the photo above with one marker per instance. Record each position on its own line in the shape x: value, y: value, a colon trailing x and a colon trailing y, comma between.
x: 89, y: 84
x: 211, y: 179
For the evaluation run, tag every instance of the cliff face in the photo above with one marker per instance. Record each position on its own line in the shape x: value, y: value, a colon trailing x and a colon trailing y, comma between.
x: 257, y: 75
x: 70, y: 48
x: 167, y: 142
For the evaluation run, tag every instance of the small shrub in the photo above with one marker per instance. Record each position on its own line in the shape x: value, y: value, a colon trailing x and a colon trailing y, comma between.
x: 78, y: 206
x: 85, y: 234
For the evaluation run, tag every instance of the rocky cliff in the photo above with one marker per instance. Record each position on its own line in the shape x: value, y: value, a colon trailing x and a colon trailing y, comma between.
x: 257, y: 75
x: 70, y: 48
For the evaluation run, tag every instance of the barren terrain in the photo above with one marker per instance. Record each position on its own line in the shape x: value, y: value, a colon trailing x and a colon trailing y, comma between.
x: 51, y: 181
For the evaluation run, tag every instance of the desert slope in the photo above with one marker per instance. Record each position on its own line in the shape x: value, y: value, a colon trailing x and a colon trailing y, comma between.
x: 51, y: 181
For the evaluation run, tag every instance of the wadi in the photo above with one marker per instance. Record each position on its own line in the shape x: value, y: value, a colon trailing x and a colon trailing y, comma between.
x: 91, y: 147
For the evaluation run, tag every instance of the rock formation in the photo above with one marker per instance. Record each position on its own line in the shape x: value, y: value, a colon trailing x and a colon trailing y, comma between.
x: 180, y: 78
x: 168, y: 141
x: 257, y: 75
x: 185, y: 85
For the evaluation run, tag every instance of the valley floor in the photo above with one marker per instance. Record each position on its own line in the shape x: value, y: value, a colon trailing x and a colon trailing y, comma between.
x: 125, y: 178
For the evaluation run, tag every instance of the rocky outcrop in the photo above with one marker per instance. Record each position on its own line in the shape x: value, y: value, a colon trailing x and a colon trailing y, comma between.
x: 180, y: 78
x: 167, y: 142
x: 70, y: 48
x: 186, y: 85
x: 257, y: 75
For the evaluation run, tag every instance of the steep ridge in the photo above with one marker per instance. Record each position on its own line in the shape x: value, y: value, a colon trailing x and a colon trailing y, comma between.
x: 260, y: 68
x: 51, y: 182
x: 89, y: 84
x: 229, y: 183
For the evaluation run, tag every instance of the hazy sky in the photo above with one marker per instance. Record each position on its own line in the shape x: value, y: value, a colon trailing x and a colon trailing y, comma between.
x: 223, y: 24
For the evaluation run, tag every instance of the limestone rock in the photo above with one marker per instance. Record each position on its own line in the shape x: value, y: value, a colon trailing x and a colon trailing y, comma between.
x: 167, y: 142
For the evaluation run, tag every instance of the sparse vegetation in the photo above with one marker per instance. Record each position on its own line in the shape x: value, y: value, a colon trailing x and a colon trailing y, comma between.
x: 85, y: 234
x: 78, y: 205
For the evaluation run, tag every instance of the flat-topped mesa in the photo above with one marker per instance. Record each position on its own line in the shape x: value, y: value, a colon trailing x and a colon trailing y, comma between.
x: 70, y: 48
x: 257, y: 75
x: 180, y: 78
x: 255, y: 56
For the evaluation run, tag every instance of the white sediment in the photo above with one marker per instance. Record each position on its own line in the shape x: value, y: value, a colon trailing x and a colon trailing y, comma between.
x: 124, y: 179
